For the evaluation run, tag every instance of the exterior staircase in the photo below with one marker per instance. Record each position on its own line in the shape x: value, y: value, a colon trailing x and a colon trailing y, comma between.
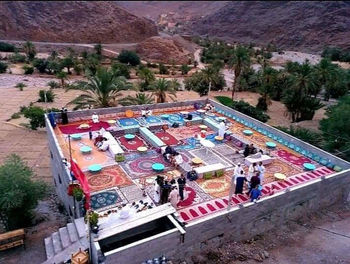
x: 67, y: 241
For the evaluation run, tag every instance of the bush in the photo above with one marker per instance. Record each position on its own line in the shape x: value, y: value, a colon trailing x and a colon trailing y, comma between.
x: 17, y: 58
x: 262, y: 104
x: 6, y: 47
x: 41, y: 65
x: 3, y: 67
x: 53, y: 84
x: 243, y: 107
x: 129, y: 57
x: 19, y: 193
x: 15, y: 116
x: 163, y: 69
x: 20, y: 86
x: 36, y: 116
x: 120, y: 69
x: 304, y: 134
x: 46, y: 96
x: 78, y: 194
x: 28, y: 69
x: 185, y: 69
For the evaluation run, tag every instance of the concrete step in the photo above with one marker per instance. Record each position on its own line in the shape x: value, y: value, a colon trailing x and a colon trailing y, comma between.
x: 49, y: 248
x: 65, y: 240
x: 72, y: 231
x: 57, y: 246
x: 81, y: 227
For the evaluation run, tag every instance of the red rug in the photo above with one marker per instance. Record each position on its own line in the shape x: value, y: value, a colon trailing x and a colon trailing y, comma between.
x: 167, y: 138
x: 131, y: 144
x: 190, y: 198
x: 299, y: 161
x: 73, y: 128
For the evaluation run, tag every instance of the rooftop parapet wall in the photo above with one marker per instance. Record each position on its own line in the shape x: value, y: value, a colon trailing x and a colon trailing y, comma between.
x: 326, y: 155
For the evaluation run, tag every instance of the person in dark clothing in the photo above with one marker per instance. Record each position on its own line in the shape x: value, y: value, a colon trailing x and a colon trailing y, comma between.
x: 240, y: 179
x: 252, y: 149
x: 90, y: 134
x: 168, y: 152
x: 246, y: 151
x: 192, y: 175
x: 182, y: 182
x: 165, y: 190
x: 254, y: 181
x: 255, y: 194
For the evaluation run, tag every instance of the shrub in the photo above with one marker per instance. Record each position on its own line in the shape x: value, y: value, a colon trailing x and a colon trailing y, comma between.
x: 15, y: 116
x: 20, y: 86
x: 6, y: 47
x: 243, y: 107
x: 28, y: 69
x: 185, y: 69
x: 120, y: 69
x: 36, y: 116
x: 41, y: 65
x: 77, y: 68
x: 78, y: 194
x: 53, y: 84
x: 129, y: 57
x: 304, y: 134
x: 17, y: 58
x: 163, y: 69
x: 19, y: 193
x: 3, y: 67
x: 46, y: 96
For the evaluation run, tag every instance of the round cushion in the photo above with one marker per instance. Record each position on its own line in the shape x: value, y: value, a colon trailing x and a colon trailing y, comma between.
x: 129, y: 113
x: 184, y: 112
x: 270, y: 144
x: 142, y: 149
x: 201, y: 111
x: 309, y: 166
x: 95, y: 167
x: 111, y: 122
x: 76, y: 136
x: 218, y: 138
x: 247, y: 132
x: 280, y: 176
x: 85, y: 149
x: 197, y: 161
x: 158, y: 167
x: 84, y: 126
x: 129, y: 136
x: 203, y: 127
x: 165, y: 116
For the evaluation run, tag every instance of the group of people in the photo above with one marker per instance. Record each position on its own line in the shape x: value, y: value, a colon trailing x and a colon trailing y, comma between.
x: 172, y: 156
x: 249, y: 150
x: 165, y: 191
x: 100, y: 141
x: 254, y: 179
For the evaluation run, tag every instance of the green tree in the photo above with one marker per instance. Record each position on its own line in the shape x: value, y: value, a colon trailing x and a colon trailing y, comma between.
x: 101, y: 90
x: 53, y: 84
x: 129, y: 57
x: 91, y: 63
x: 161, y: 88
x: 185, y: 69
x: 163, y: 69
x: 209, y: 75
x: 98, y: 49
x: 238, y: 62
x: 62, y: 76
x: 269, y: 77
x: 20, y: 86
x: 36, y: 116
x: 138, y: 99
x: 29, y: 50
x: 67, y: 62
x: 147, y: 77
x: 19, y: 193
x: 41, y: 65
x: 3, y: 67
x: 121, y: 70
x: 28, y: 69
x: 6, y: 47
x: 46, y: 96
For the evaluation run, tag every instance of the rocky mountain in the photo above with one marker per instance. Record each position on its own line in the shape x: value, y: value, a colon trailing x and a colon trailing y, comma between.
x: 298, y: 25
x: 72, y: 21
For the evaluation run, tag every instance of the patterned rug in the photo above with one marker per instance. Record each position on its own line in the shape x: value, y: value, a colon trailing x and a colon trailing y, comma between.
x: 209, y: 157
x: 128, y: 122
x: 175, y: 118
x: 279, y: 166
x: 167, y: 138
x: 109, y: 177
x: 217, y: 187
x: 296, y: 160
x: 73, y: 128
x: 229, y: 153
x: 131, y: 145
x: 182, y: 133
x: 106, y: 199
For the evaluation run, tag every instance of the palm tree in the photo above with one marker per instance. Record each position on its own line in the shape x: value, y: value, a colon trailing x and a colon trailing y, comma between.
x: 238, y: 62
x: 138, y: 99
x: 29, y: 50
x: 101, y: 90
x: 209, y: 75
x: 147, y: 77
x: 160, y: 88
x: 326, y: 77
x: 269, y: 77
x: 62, y: 76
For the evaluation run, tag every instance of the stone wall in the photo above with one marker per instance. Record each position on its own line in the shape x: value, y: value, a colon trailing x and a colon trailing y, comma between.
x: 241, y: 223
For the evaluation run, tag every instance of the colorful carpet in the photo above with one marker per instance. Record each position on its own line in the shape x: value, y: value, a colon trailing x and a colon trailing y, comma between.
x: 167, y: 138
x: 109, y: 177
x: 128, y: 122
x: 279, y: 166
x: 133, y: 144
x: 73, y: 128
x: 209, y: 157
x: 153, y: 120
x: 296, y: 160
x: 175, y: 118
x: 217, y: 187
x: 106, y: 199
x: 182, y: 133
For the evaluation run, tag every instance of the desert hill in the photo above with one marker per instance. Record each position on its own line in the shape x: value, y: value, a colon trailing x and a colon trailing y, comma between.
x: 72, y: 21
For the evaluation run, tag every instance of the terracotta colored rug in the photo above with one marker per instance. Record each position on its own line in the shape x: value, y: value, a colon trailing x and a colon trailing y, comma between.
x: 279, y: 166
x: 167, y: 138
x: 296, y: 160
x: 109, y: 177
x: 184, y: 132
x: 73, y: 128
x: 217, y: 187
x: 133, y: 144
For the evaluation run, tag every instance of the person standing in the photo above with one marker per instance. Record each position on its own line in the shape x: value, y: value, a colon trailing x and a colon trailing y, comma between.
x: 182, y: 183
x: 240, y: 179
x: 251, y: 170
x: 246, y: 151
x: 165, y: 192
x: 237, y: 169
x: 174, y: 197
x: 261, y: 169
x: 156, y: 186
x: 255, y: 181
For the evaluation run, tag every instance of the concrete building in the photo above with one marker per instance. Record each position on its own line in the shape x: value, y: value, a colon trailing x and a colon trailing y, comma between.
x: 125, y: 183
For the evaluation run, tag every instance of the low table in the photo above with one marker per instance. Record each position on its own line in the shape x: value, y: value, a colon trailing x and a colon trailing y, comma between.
x: 203, y: 127
x: 270, y: 144
x: 219, y: 138
x: 85, y: 149
x: 309, y: 166
x: 197, y: 161
x: 201, y: 111
x: 158, y: 167
x: 184, y: 113
x: 111, y: 122
x: 76, y: 136
x: 280, y: 176
x: 207, y: 144
x: 142, y: 149
x: 84, y: 126
x: 129, y: 136
x: 247, y: 132
x: 95, y: 168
